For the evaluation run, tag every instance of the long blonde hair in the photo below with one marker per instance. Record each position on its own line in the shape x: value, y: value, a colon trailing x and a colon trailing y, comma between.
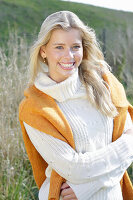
x: 93, y: 65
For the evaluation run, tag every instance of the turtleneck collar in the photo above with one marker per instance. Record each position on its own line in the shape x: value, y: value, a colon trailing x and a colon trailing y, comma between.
x: 59, y: 91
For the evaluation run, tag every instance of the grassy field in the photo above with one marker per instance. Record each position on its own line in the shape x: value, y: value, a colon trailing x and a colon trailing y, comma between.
x: 23, y: 19
x: 16, y: 180
x: 27, y: 16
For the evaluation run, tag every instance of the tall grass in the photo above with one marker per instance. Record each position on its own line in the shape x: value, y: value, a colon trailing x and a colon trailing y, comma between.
x: 16, y: 180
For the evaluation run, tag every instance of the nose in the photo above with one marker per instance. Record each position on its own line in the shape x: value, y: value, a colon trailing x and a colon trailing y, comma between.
x: 69, y: 54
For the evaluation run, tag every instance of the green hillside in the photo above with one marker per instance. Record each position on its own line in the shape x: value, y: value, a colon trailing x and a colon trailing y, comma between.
x: 27, y: 16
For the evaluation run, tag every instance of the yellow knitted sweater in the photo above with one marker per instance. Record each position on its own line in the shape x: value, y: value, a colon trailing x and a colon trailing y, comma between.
x: 41, y: 112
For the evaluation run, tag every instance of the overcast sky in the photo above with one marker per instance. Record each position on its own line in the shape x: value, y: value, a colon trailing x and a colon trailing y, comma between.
x: 126, y: 5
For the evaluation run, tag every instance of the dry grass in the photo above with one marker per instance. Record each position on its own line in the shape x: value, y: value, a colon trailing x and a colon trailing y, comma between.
x: 15, y: 170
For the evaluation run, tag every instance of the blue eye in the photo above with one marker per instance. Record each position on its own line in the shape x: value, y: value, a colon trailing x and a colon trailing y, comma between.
x: 76, y: 47
x: 59, y: 47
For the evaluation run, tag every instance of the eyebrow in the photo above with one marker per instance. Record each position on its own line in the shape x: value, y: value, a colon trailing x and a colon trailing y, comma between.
x: 64, y: 44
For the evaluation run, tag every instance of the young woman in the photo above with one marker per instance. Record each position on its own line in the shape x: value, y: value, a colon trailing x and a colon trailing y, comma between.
x: 75, y: 118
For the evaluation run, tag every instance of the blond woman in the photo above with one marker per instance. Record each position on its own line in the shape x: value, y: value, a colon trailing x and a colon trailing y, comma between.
x: 75, y: 118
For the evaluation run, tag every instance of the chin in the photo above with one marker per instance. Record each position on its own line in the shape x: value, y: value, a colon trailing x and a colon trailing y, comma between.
x: 68, y: 72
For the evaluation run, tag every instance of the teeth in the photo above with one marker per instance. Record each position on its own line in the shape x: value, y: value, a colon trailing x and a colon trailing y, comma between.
x: 67, y: 65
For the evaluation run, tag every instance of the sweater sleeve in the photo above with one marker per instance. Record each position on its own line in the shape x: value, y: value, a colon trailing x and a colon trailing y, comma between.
x: 88, y: 189
x: 90, y: 165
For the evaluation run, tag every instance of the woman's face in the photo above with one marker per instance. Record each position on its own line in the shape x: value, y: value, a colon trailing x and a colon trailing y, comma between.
x: 64, y: 53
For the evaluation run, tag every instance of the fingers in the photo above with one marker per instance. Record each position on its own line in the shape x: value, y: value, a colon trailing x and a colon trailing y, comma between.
x: 65, y: 185
x: 68, y: 194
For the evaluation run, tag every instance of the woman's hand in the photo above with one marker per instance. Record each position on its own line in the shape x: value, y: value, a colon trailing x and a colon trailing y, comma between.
x: 67, y: 192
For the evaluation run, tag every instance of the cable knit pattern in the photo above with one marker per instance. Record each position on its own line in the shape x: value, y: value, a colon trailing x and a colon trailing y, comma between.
x: 92, y: 131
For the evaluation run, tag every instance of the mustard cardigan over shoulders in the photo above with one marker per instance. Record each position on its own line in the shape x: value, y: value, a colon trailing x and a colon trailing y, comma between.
x: 41, y: 112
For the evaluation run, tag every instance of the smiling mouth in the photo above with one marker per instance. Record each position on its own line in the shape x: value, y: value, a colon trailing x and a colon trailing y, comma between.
x: 67, y: 66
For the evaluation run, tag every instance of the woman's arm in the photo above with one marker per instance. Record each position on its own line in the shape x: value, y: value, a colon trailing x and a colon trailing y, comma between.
x: 87, y: 190
x: 82, y: 167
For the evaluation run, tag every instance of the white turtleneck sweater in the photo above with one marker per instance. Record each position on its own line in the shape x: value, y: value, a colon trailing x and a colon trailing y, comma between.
x: 94, y: 169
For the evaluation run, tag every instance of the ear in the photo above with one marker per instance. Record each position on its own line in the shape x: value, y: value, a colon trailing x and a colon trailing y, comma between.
x: 42, y: 52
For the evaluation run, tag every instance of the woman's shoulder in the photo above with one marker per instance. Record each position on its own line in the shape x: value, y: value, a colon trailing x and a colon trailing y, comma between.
x: 35, y: 100
x: 117, y: 90
x: 33, y: 94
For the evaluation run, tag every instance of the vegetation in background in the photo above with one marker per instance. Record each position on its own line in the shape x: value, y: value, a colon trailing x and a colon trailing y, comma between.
x: 115, y: 32
x: 16, y: 179
x: 27, y: 16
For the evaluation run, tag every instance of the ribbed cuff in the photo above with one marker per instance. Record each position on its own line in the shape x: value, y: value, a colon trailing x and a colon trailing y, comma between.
x: 85, y: 190
x: 124, y: 147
